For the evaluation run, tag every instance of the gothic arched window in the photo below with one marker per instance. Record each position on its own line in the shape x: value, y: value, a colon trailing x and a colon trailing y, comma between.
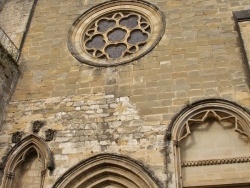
x: 27, y: 163
x: 211, y: 145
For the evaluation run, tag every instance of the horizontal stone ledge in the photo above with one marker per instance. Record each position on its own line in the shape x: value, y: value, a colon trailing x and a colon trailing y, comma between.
x: 215, y: 161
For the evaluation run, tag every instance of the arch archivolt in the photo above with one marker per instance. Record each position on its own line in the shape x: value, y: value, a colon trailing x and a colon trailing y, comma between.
x: 108, y: 170
x: 19, y: 154
x: 190, y: 128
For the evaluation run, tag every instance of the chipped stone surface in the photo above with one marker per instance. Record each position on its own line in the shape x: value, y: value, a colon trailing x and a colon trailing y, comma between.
x: 117, y: 128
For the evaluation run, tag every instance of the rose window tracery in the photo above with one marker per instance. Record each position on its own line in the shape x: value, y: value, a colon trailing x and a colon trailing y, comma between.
x: 117, y: 35
x: 116, y: 32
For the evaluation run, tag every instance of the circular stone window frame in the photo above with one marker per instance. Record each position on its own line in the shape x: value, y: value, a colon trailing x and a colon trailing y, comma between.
x: 153, y: 14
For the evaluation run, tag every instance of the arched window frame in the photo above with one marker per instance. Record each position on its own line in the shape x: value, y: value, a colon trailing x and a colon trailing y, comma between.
x: 103, y: 169
x: 179, y: 127
x: 18, y: 154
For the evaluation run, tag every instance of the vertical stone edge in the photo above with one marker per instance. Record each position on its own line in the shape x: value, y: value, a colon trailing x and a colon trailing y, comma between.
x: 9, y: 74
x: 242, y: 16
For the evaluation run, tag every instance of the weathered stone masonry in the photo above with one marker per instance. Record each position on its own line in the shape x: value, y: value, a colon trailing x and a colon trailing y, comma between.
x: 8, y: 77
x: 126, y: 109
x: 14, y: 22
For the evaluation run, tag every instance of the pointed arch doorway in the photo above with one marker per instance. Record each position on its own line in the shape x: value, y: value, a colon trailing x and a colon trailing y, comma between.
x: 108, y: 171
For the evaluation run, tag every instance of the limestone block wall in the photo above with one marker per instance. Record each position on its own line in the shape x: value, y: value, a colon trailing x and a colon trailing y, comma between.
x: 125, y: 109
x: 14, y: 18
x: 8, y: 78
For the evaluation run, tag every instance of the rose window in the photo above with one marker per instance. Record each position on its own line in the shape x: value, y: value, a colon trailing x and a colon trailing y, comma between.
x: 114, y: 33
x: 117, y: 35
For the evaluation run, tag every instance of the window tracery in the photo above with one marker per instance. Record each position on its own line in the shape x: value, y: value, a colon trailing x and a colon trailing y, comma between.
x: 201, y: 117
x: 117, y: 35
x: 116, y: 32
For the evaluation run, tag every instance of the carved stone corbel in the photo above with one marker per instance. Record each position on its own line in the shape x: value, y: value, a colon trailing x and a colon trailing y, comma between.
x: 36, y: 126
x: 49, y: 134
x: 16, y: 137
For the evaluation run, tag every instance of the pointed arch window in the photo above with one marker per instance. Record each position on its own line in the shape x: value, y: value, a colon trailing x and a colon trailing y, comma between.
x: 27, y: 161
x: 211, y: 145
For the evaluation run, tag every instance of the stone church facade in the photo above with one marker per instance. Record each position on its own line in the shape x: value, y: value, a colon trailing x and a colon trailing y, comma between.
x: 124, y: 93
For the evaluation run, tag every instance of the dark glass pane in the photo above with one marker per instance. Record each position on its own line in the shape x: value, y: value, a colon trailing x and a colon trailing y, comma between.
x: 137, y: 36
x: 115, y: 51
x: 116, y: 35
x: 96, y: 42
x: 104, y: 25
x: 129, y: 22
